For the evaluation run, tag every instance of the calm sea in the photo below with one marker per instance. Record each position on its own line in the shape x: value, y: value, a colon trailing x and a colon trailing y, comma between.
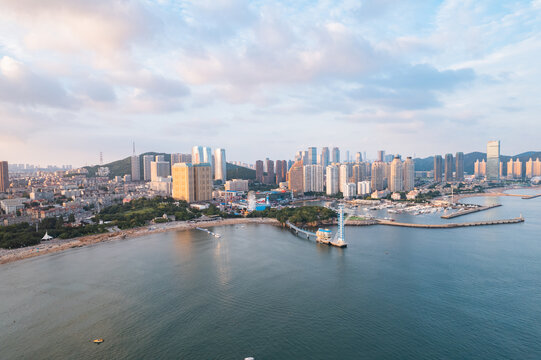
x: 394, y: 293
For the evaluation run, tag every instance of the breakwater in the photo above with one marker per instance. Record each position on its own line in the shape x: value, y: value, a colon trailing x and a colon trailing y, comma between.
x: 453, y: 225
x: 469, y: 211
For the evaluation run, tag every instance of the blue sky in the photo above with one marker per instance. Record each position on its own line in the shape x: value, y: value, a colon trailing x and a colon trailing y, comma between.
x: 264, y: 79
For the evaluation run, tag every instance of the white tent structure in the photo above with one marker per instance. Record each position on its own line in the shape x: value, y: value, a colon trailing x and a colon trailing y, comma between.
x: 46, y: 236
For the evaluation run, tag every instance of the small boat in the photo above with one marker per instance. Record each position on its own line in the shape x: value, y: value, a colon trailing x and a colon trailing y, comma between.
x: 98, y: 341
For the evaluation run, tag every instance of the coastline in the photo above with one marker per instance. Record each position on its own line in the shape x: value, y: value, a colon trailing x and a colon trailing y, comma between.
x: 56, y: 245
x: 499, y: 191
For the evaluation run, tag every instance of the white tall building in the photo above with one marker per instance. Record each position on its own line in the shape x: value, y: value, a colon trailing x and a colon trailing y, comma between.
x: 135, y: 168
x: 396, y: 182
x: 363, y: 188
x: 313, y: 178
x: 493, y: 161
x: 220, y: 168
x: 208, y: 158
x: 345, y: 173
x: 159, y: 169
x: 147, y: 159
x: 409, y: 174
x: 332, y: 185
x: 197, y: 155
x: 350, y: 190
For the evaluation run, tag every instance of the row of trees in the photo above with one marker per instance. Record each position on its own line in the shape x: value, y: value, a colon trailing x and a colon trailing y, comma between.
x: 24, y: 234
x: 140, y: 211
x: 298, y: 215
x: 133, y: 214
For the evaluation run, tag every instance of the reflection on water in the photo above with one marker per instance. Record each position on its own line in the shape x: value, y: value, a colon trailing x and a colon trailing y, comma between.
x: 221, y: 261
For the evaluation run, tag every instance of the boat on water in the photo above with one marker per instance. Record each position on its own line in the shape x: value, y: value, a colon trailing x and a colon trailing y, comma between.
x: 98, y: 341
x: 323, y: 236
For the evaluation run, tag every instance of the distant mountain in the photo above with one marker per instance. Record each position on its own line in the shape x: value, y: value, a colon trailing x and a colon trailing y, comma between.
x: 239, y: 172
x: 123, y: 167
x: 427, y: 164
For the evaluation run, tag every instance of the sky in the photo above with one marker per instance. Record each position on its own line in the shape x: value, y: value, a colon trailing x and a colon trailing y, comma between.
x: 266, y: 78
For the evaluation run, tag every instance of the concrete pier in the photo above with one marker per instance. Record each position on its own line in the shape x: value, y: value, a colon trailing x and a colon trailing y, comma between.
x: 454, y: 225
x: 469, y: 211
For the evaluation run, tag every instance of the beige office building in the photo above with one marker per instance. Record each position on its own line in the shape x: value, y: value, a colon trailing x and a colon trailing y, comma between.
x: 480, y: 168
x: 192, y: 183
x: 378, y: 175
x: 533, y: 168
x: 203, y: 182
x: 295, y: 178
x: 183, y: 182
x: 4, y: 176
x: 409, y: 174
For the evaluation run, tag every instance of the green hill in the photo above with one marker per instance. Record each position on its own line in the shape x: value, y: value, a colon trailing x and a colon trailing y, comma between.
x: 123, y: 167
x: 239, y: 172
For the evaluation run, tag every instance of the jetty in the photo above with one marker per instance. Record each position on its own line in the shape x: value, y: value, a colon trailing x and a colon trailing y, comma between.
x: 528, y: 197
x: 299, y: 231
x: 469, y: 211
x: 338, y: 240
x: 453, y: 225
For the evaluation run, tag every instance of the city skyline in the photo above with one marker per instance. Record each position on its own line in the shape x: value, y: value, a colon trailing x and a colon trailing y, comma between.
x: 170, y: 74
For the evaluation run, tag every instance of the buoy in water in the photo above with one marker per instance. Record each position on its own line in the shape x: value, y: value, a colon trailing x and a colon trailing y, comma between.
x: 98, y: 341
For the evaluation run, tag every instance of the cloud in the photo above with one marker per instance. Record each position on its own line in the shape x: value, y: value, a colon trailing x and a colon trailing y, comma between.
x: 280, y: 57
x: 241, y: 68
x: 410, y: 87
x: 19, y: 85
x: 96, y: 90
x: 102, y: 27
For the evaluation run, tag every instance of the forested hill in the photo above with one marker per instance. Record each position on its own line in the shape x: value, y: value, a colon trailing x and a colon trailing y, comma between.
x: 123, y: 167
x: 427, y: 164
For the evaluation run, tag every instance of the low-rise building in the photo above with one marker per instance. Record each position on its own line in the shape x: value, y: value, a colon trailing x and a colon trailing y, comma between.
x: 236, y: 185
x: 363, y: 188
x: 350, y: 190
x: 379, y: 194
x: 10, y: 206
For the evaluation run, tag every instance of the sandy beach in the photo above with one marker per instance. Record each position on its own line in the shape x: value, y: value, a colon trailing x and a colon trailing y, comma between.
x: 55, y: 245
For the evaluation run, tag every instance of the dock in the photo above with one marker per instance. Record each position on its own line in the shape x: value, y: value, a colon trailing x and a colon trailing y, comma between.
x: 337, y: 241
x: 469, y: 211
x: 528, y: 197
x: 453, y: 225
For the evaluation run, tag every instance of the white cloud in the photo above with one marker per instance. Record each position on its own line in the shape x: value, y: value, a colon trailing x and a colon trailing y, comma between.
x: 133, y: 68
x: 18, y: 84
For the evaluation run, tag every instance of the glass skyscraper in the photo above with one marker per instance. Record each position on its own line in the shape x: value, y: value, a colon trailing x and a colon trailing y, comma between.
x: 493, y: 161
